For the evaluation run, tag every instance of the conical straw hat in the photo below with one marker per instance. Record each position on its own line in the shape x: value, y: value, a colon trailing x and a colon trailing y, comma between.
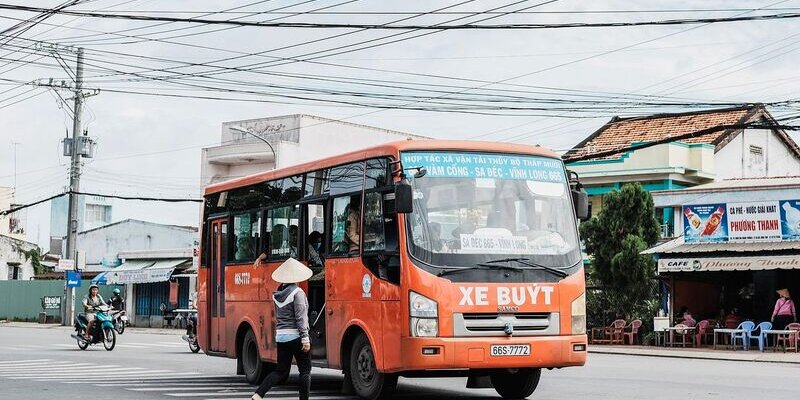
x: 784, y: 293
x: 291, y: 271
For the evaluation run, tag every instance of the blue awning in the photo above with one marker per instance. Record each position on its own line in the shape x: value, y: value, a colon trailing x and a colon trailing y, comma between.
x: 100, y: 279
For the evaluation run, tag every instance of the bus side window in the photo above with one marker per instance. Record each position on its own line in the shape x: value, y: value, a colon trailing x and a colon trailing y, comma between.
x: 282, y: 225
x: 380, y: 244
x: 246, y: 227
x: 346, y: 226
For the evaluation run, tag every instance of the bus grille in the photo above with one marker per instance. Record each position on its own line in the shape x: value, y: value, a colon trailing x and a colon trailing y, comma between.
x: 494, y: 324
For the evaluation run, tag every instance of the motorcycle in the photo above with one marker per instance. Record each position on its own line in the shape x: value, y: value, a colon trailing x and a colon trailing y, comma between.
x: 120, y: 319
x: 191, y: 335
x: 102, y: 330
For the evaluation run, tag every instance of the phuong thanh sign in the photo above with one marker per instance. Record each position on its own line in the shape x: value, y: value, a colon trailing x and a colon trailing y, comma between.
x: 742, y: 222
x: 728, y: 264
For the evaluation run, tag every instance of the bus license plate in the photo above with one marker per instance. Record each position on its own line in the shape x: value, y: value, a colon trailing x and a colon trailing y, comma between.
x: 510, y: 350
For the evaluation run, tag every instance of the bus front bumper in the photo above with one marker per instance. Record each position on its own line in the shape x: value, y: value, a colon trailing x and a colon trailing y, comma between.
x: 475, y: 353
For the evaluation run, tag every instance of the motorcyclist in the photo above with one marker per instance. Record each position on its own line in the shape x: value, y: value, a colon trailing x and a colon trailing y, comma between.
x: 117, y: 301
x: 191, y: 326
x: 91, y: 303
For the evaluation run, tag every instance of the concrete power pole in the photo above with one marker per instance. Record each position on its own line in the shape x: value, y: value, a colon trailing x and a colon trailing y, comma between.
x: 74, y: 183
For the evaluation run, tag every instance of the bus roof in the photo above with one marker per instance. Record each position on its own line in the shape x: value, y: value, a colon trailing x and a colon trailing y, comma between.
x: 387, y: 149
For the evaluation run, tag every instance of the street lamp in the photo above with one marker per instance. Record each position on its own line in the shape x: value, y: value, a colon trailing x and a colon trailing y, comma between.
x: 247, y: 131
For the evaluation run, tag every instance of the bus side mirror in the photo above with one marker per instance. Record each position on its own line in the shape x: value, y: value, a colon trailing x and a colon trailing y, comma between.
x: 580, y: 203
x: 403, y: 198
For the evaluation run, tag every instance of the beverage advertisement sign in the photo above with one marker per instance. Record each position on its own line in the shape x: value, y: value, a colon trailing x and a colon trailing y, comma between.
x: 790, y: 219
x: 757, y: 221
x: 705, y: 223
x: 775, y: 221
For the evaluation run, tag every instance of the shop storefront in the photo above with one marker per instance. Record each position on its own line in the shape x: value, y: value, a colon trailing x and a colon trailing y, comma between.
x: 740, y: 243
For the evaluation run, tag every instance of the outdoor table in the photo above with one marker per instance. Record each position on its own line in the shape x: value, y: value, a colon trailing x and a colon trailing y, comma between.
x: 597, y: 336
x: 689, y: 329
x: 661, y: 337
x: 725, y: 331
x: 778, y: 332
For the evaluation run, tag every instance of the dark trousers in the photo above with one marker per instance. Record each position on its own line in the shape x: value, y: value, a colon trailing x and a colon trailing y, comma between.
x: 286, y: 351
x: 781, y: 321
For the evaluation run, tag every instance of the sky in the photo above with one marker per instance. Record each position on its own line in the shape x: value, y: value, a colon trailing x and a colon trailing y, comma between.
x: 150, y: 145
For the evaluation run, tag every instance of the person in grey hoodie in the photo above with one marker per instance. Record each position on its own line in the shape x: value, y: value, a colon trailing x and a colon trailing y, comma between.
x: 291, y: 328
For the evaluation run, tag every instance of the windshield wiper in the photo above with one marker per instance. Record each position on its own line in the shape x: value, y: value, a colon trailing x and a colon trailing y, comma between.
x: 526, y: 262
x: 478, y: 266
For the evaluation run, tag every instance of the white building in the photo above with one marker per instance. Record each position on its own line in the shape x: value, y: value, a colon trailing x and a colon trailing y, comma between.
x: 93, y: 212
x: 103, y: 245
x: 296, y: 139
x: 13, y: 264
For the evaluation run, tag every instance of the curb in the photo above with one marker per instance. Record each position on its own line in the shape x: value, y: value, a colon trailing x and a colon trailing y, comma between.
x: 781, y: 358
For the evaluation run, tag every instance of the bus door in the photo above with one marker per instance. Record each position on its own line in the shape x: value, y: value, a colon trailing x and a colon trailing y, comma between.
x: 312, y: 244
x: 219, y: 240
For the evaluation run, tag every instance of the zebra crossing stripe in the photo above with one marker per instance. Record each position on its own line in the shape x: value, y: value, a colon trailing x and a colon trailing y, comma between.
x: 41, y: 360
x: 65, y: 373
x: 173, y: 388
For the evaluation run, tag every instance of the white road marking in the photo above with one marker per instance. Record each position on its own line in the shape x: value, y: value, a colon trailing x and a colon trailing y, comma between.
x: 172, y: 388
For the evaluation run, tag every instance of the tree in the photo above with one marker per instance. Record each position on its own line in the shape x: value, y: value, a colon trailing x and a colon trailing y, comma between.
x: 625, y: 227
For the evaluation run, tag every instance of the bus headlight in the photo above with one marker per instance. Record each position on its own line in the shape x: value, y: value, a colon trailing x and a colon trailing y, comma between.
x: 424, y: 314
x: 579, y: 315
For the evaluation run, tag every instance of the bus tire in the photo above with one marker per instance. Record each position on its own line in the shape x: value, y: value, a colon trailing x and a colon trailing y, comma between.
x: 368, y: 382
x: 516, y: 383
x: 254, y: 369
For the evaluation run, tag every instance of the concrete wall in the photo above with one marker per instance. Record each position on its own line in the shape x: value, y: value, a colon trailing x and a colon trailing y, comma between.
x: 22, y: 300
x: 736, y: 161
x: 133, y: 235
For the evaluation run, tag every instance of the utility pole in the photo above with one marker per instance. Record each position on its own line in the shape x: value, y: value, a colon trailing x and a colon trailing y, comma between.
x: 74, y: 184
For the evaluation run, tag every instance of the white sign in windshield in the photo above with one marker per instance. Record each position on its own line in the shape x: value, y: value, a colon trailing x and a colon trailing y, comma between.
x: 493, y: 244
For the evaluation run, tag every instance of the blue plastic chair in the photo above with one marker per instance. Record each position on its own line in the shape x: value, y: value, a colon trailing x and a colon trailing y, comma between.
x: 747, y: 327
x: 761, y: 337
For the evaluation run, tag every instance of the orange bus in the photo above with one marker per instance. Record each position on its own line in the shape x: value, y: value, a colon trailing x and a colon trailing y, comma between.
x: 430, y: 258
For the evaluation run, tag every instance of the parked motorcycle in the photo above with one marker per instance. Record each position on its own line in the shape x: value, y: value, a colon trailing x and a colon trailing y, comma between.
x: 120, y: 319
x: 102, y: 330
x: 191, y: 335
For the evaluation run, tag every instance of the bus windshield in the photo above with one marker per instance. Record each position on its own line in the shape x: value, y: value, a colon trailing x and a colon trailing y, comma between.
x: 472, y: 208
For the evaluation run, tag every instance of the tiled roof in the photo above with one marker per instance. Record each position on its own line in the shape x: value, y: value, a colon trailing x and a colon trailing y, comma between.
x: 677, y: 246
x: 620, y: 133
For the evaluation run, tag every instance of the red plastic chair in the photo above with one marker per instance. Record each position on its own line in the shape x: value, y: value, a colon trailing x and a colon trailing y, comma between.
x: 705, y: 329
x: 789, y: 342
x: 616, y: 331
x: 632, y: 331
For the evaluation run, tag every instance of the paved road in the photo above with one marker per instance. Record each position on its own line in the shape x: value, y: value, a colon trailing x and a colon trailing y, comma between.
x: 46, y: 364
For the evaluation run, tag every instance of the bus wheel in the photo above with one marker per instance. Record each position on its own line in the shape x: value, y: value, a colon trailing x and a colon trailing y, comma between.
x: 516, y: 383
x: 254, y: 369
x: 368, y: 382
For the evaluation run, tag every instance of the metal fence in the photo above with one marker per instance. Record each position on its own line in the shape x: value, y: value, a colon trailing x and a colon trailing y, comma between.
x: 22, y: 300
x: 603, y: 306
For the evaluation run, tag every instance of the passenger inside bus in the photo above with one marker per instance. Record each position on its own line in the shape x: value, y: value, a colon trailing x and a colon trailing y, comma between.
x: 315, y: 260
x: 353, y: 225
x: 277, y: 237
x: 293, y: 241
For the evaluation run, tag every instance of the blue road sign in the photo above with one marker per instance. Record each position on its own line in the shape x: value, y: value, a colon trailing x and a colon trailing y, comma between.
x: 73, y: 279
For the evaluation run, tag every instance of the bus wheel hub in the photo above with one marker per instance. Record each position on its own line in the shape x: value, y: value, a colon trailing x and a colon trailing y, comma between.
x: 366, y: 365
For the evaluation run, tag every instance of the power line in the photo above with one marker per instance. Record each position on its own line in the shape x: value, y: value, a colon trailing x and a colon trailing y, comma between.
x: 313, y: 25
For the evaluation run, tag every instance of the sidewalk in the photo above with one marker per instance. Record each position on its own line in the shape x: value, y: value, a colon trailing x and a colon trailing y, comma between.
x: 702, y: 353
x: 34, y: 325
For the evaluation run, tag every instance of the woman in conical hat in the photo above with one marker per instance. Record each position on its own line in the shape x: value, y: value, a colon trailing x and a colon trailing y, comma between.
x: 291, y: 334
x: 784, y: 312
